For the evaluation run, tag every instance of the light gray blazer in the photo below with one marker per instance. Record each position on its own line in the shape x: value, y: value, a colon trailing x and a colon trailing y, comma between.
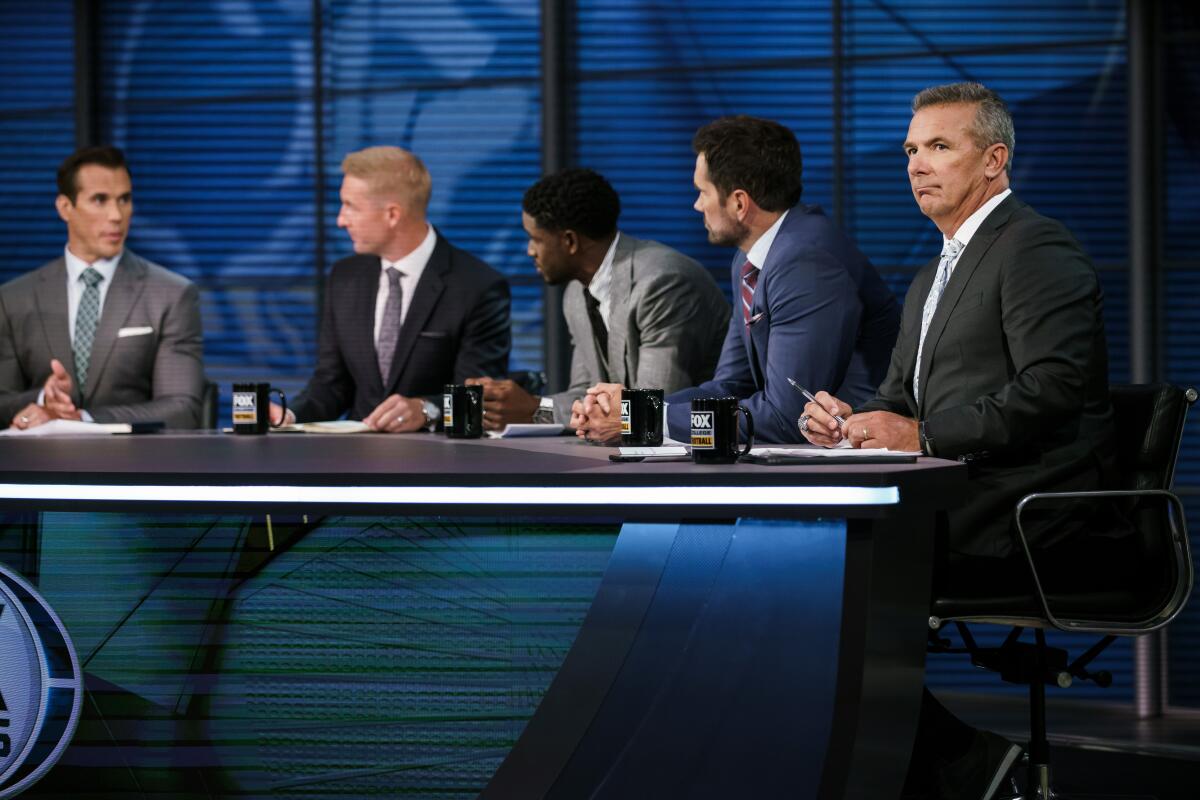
x: 140, y: 376
x: 666, y: 324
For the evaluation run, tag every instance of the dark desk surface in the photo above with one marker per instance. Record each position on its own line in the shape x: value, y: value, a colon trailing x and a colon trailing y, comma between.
x: 705, y: 636
x: 426, y: 460
x: 310, y: 459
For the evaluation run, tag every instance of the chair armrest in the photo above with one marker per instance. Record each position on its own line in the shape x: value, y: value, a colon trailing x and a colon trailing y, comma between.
x: 1178, y: 536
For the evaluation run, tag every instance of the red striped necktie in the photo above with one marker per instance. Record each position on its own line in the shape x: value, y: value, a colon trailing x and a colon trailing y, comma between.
x: 749, y: 281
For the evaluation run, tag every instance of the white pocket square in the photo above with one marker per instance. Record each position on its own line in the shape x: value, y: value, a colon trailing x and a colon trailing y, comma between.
x: 142, y: 331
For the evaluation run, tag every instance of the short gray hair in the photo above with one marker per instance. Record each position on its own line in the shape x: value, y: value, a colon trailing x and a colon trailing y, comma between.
x: 993, y: 122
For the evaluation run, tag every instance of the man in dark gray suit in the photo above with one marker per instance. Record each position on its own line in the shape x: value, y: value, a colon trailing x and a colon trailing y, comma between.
x: 640, y: 314
x: 99, y: 334
x: 406, y: 314
x: 1001, y: 362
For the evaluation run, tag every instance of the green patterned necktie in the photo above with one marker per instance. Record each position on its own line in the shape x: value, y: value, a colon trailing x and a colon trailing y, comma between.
x: 85, y: 323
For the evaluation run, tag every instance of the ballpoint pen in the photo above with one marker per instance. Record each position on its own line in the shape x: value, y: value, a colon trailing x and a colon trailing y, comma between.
x: 808, y: 394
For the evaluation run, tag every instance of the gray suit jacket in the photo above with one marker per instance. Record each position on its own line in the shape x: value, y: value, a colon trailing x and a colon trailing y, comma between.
x: 141, y: 376
x: 666, y: 324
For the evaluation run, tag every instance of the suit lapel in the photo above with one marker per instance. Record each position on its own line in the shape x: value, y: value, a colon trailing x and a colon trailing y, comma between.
x: 361, y: 339
x: 53, y: 310
x: 967, y: 263
x: 584, y: 342
x: 618, y: 311
x: 129, y: 280
x: 425, y: 298
x: 757, y: 335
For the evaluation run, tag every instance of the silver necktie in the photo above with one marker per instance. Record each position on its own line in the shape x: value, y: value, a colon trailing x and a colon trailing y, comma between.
x: 949, y: 253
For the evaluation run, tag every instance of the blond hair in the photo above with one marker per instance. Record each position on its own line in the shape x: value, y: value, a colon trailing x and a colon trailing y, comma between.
x: 392, y: 174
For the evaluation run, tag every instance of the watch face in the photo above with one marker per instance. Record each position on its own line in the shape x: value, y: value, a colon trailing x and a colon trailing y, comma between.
x: 545, y: 411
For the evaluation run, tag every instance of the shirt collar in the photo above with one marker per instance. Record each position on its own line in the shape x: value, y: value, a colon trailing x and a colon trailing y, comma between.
x: 967, y: 229
x: 105, y: 266
x: 414, y: 262
x: 602, y: 281
x: 758, y: 252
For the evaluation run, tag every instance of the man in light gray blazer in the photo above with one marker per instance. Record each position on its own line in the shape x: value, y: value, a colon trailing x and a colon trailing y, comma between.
x: 99, y: 334
x: 639, y: 313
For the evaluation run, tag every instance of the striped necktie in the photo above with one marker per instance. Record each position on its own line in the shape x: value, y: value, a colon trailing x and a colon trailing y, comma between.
x: 749, y: 282
x: 950, y: 253
x: 86, y: 319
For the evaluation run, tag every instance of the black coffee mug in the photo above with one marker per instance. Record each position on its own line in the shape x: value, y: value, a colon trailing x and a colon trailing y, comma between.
x: 252, y: 407
x: 641, y: 417
x: 462, y: 411
x: 715, y: 430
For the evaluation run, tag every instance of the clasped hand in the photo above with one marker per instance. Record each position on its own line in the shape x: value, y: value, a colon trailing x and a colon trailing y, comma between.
x: 597, y: 417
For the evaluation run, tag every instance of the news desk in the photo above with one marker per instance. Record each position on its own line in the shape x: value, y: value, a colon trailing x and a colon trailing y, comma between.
x: 351, y: 616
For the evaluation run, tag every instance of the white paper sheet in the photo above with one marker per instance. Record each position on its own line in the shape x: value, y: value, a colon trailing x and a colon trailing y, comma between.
x: 70, y: 427
x: 521, y: 430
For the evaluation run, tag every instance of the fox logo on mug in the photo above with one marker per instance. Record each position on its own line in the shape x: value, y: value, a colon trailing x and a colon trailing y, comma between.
x: 626, y: 417
x: 244, y: 407
x: 702, y: 429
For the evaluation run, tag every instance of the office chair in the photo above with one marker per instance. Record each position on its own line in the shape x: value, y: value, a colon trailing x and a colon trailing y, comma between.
x: 1150, y: 430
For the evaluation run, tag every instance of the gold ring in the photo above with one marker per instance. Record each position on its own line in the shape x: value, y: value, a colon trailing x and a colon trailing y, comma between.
x: 866, y: 433
x: 24, y: 419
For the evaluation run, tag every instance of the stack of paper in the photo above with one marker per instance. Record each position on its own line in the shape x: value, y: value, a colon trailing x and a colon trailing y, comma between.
x: 831, y: 452
x: 330, y: 426
x: 521, y: 430
x: 70, y: 427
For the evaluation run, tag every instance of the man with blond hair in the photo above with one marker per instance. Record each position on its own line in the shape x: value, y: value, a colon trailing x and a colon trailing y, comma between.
x: 407, y: 313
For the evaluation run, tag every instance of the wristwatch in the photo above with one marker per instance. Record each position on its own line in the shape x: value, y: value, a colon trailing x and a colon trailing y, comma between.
x: 545, y: 411
x: 923, y: 438
x: 432, y: 412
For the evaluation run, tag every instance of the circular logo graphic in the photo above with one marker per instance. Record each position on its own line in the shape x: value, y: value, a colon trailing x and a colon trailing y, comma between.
x: 41, y: 685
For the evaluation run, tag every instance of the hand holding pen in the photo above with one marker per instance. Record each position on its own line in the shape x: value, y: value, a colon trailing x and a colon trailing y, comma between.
x: 823, y: 417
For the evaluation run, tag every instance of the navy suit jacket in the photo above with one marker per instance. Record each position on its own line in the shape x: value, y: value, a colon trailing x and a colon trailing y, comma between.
x: 457, y: 327
x: 824, y: 318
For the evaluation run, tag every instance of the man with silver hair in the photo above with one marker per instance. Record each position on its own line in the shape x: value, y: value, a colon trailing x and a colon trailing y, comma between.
x: 1001, y: 362
x: 405, y: 315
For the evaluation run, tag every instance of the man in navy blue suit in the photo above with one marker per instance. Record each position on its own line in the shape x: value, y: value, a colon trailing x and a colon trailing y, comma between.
x: 807, y: 304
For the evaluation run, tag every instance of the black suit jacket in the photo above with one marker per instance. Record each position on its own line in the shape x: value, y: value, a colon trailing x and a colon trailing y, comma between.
x: 1014, y: 373
x: 457, y: 327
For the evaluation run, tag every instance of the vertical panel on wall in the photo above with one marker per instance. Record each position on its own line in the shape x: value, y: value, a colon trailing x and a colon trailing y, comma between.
x: 212, y: 103
x: 458, y: 84
x: 37, y: 129
x: 650, y: 74
x: 1181, y: 297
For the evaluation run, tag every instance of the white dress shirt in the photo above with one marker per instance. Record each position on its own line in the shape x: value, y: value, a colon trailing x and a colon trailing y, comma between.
x: 411, y: 267
x: 601, y: 284
x: 971, y: 224
x: 759, y: 250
